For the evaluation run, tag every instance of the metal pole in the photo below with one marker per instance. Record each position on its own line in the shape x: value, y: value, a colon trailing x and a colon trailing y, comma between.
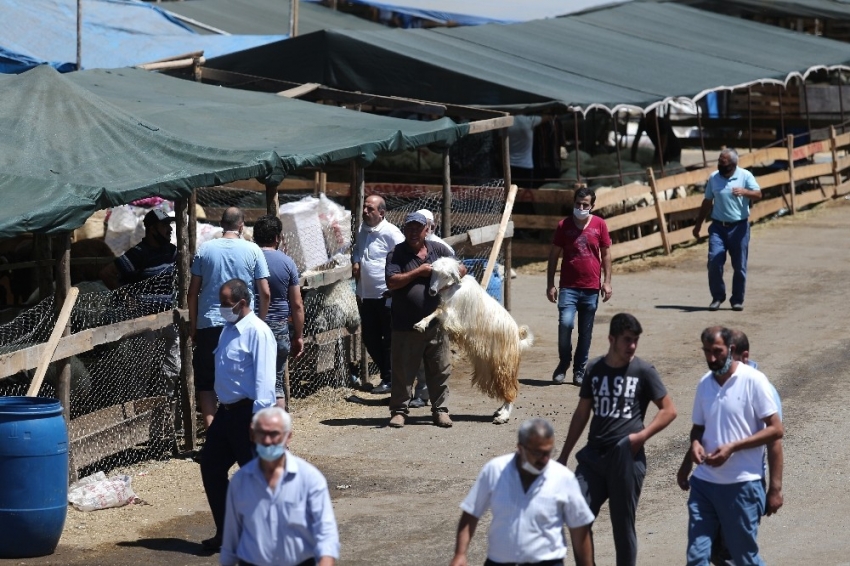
x: 446, y: 224
x: 79, y: 35
x: 841, y: 98
x: 293, y: 18
x: 575, y: 133
x: 781, y: 113
x: 808, y: 116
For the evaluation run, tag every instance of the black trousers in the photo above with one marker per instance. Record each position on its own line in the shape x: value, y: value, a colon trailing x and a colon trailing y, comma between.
x: 308, y: 562
x: 228, y: 442
x: 617, y: 476
x: 376, y: 326
x: 544, y: 563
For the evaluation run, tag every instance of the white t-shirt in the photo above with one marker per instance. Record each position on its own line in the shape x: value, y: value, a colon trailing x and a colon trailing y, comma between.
x: 521, y: 144
x: 527, y: 526
x: 733, y: 412
x: 370, y: 251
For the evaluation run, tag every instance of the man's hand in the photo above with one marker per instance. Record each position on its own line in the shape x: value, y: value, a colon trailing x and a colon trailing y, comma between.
x: 636, y: 442
x: 459, y: 560
x: 296, y: 347
x: 606, y: 292
x: 355, y: 271
x: 697, y: 453
x: 774, y: 501
x: 563, y: 457
x: 424, y: 270
x: 719, y: 456
x: 552, y: 294
x: 696, y: 230
x: 741, y: 192
x: 683, y: 474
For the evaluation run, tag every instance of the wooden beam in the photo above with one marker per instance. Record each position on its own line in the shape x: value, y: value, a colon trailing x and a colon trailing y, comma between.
x: 183, y: 212
x: 644, y: 244
x: 314, y: 280
x: 790, y: 148
x: 478, y: 236
x: 490, y: 124
x: 165, y: 65
x: 774, y: 179
x: 662, y: 222
x: 497, y: 243
x: 299, y: 91
x: 50, y: 348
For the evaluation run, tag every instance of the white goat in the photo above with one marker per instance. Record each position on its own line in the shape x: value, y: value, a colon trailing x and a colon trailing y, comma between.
x: 483, y: 330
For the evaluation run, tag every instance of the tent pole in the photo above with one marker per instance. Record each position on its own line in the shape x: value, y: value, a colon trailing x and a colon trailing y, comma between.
x: 79, y: 35
x: 358, y: 197
x: 750, y: 115
x: 841, y: 98
x: 62, y: 275
x: 293, y: 18
x: 575, y: 133
x: 701, y: 135
x: 446, y: 224
x: 183, y: 212
x: 193, y: 222
x: 659, y: 148
x: 617, y: 145
x: 781, y: 113
x: 808, y: 116
x: 506, y: 171
x: 272, y: 200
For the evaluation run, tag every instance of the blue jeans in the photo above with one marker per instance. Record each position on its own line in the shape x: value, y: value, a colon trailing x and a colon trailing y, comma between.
x: 735, y: 510
x: 584, y: 302
x: 734, y: 239
x: 281, y: 335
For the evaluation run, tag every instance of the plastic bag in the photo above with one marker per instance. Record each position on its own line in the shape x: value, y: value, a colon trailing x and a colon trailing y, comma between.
x: 99, y: 492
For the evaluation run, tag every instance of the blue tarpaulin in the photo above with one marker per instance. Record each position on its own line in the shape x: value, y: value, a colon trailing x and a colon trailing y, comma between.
x: 476, y: 12
x: 115, y: 33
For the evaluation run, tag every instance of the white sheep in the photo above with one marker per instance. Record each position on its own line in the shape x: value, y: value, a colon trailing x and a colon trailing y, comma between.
x: 482, y: 329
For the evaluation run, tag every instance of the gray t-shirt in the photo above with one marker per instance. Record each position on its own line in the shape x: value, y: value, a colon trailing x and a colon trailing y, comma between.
x: 283, y: 274
x: 620, y: 397
x: 413, y: 303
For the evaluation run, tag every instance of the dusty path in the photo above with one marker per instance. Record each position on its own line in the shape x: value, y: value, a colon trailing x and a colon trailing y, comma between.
x: 398, y: 494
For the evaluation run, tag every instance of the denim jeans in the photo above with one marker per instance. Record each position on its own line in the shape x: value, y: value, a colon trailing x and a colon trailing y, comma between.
x: 570, y: 301
x: 281, y: 335
x: 735, y: 510
x: 734, y: 239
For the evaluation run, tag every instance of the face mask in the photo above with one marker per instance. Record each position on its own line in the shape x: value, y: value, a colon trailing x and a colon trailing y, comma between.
x: 727, y: 170
x: 726, y: 366
x: 272, y: 452
x: 526, y: 465
x: 228, y: 314
x: 581, y: 213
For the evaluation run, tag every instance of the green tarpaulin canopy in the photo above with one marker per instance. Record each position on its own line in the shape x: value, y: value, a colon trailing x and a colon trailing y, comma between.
x: 632, y: 55
x: 76, y: 143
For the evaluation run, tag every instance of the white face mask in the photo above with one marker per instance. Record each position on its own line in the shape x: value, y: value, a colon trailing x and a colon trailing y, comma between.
x: 526, y: 465
x: 581, y: 213
x: 228, y: 314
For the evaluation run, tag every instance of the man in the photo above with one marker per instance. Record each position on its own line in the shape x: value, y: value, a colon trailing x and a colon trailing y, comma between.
x: 531, y: 500
x: 734, y: 416
x: 285, y: 299
x: 217, y: 261
x: 286, y: 489
x: 521, y: 134
x: 375, y: 240
x: 585, y: 243
x: 775, y: 456
x: 244, y: 384
x: 408, y: 275
x: 729, y: 193
x: 618, y: 388
x: 667, y: 147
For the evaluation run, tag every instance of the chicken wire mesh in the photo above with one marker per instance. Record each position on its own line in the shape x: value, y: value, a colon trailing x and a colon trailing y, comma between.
x: 131, y: 383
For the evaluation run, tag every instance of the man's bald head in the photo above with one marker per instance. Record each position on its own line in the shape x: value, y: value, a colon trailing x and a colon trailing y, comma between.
x: 232, y: 219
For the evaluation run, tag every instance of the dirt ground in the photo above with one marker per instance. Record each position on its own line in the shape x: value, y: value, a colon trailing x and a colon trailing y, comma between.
x: 396, y: 492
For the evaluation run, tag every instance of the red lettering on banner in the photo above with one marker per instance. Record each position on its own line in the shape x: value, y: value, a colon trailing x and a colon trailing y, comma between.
x: 807, y: 150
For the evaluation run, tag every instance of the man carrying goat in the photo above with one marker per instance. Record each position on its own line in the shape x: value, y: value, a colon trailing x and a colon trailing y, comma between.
x: 408, y: 275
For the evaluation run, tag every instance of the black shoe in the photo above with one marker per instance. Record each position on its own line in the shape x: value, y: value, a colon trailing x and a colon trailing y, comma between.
x: 715, y: 305
x: 212, y: 544
x: 383, y: 387
x: 417, y: 403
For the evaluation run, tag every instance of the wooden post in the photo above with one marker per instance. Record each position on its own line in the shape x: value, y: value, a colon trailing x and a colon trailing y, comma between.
x: 316, y: 176
x: 358, y: 196
x: 62, y: 276
x: 836, y: 174
x: 293, y: 18
x: 578, y: 161
x: 323, y: 182
x: 841, y: 98
x: 662, y: 223
x: 659, y: 148
x: 790, y: 142
x: 47, y: 355
x: 506, y: 160
x: 272, y: 201
x: 701, y: 136
x: 197, y: 70
x: 617, y: 144
x: 781, y: 113
x: 446, y: 224
x: 808, y: 116
x: 508, y: 267
x: 497, y: 243
x: 193, y: 223
x: 750, y: 116
x: 79, y: 35
x: 182, y: 212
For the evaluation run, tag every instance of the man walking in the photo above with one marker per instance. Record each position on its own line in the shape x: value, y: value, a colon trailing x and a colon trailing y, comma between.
x: 531, y: 500
x: 279, y: 510
x: 585, y: 243
x: 734, y: 417
x: 376, y: 238
x: 617, y: 388
x: 244, y: 384
x: 217, y: 261
x: 729, y: 193
x: 408, y: 274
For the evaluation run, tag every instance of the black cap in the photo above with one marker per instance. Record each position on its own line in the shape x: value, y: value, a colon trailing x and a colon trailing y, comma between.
x: 157, y: 215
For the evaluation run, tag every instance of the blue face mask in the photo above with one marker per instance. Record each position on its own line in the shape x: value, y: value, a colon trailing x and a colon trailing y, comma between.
x: 272, y: 452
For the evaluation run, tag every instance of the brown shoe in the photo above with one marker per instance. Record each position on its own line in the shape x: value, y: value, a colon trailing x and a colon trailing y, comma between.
x: 397, y: 421
x: 442, y: 419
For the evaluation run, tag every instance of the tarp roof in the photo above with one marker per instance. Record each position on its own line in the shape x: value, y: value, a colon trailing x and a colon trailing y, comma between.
x: 264, y: 16
x: 115, y: 33
x: 76, y: 143
x: 476, y: 12
x: 633, y: 55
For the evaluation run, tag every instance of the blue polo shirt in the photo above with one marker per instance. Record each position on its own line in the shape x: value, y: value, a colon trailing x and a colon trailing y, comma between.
x: 728, y: 207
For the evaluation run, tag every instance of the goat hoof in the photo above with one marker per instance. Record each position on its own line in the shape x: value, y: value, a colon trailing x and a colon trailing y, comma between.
x: 419, y: 327
x: 500, y: 420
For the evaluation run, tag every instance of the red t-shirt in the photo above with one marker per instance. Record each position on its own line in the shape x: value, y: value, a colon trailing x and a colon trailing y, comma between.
x: 581, y: 266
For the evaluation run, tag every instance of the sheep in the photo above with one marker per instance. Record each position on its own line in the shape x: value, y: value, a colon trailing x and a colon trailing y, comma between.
x: 483, y: 330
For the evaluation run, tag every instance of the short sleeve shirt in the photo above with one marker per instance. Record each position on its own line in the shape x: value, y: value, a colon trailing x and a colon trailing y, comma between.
x: 728, y: 207
x: 144, y: 261
x: 412, y: 303
x: 620, y: 398
x: 528, y: 526
x: 283, y: 274
x: 218, y: 261
x: 581, y: 265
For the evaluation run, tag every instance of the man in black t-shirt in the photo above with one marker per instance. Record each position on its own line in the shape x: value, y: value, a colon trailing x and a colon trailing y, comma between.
x: 408, y: 275
x: 617, y: 387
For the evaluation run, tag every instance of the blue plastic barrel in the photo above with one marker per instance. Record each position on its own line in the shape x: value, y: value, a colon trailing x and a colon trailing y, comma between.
x: 476, y: 267
x: 33, y: 476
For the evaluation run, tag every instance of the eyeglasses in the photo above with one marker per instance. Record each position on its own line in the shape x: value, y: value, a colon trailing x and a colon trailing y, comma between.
x: 583, y: 205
